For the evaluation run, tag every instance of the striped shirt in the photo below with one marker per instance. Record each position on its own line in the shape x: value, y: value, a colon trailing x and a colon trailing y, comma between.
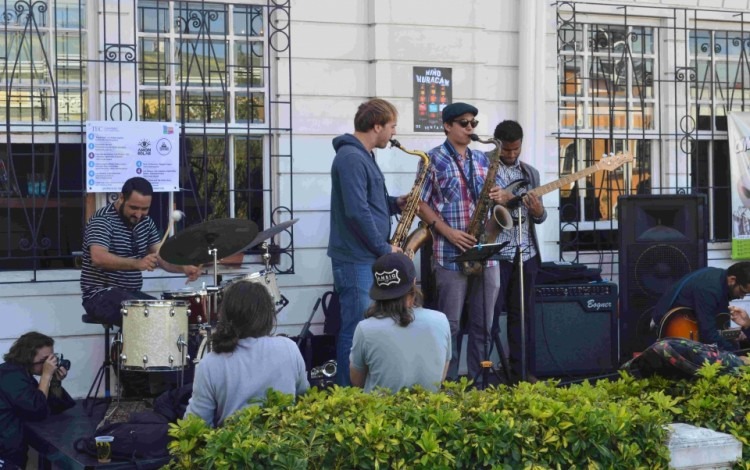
x: 106, y: 228
x: 507, y: 175
x: 446, y: 192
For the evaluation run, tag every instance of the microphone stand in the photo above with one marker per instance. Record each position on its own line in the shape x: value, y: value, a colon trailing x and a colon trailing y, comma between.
x: 521, y: 292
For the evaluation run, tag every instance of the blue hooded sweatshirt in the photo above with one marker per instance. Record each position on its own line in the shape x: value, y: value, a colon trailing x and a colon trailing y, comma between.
x: 360, y: 206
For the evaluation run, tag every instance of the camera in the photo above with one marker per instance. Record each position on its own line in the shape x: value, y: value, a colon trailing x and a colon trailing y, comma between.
x: 62, y: 362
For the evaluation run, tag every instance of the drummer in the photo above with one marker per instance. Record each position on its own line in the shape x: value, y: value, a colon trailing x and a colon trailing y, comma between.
x: 120, y: 242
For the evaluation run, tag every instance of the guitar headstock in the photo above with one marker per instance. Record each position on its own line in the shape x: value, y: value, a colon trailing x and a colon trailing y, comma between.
x: 613, y: 162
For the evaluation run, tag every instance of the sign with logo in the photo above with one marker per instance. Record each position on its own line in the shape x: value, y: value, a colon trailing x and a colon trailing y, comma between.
x: 119, y: 150
x: 433, y: 91
x: 739, y: 164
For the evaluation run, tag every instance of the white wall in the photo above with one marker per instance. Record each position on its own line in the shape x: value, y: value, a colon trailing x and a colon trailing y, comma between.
x: 344, y: 52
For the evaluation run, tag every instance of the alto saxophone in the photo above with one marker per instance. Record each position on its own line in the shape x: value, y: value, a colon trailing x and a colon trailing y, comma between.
x: 410, y: 243
x: 486, y: 232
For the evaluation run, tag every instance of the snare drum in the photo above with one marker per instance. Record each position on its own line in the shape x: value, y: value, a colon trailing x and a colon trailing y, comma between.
x: 154, y: 335
x: 267, y: 278
x: 201, y: 304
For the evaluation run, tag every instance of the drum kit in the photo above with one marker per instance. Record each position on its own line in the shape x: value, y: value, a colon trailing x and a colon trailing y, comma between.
x: 156, y: 334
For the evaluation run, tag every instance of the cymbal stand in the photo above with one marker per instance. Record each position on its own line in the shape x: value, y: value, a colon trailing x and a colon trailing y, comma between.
x: 213, y: 300
x: 266, y: 256
x: 214, y: 252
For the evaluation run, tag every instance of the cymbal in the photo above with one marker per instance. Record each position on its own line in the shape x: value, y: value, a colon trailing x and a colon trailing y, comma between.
x: 268, y: 233
x: 227, y: 236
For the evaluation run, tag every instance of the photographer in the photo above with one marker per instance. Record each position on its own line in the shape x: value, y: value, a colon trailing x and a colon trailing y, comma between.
x: 22, y: 398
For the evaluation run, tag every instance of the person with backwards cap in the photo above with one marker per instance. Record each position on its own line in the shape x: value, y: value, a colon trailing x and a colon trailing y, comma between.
x: 399, y: 344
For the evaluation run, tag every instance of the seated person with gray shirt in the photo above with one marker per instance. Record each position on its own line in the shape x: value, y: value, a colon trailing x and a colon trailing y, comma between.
x: 399, y: 344
x: 245, y: 360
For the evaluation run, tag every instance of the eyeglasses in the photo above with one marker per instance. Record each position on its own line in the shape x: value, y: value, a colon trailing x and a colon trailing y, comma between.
x: 465, y: 123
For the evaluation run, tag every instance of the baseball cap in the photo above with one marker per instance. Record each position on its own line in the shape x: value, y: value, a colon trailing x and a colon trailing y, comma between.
x: 393, y: 275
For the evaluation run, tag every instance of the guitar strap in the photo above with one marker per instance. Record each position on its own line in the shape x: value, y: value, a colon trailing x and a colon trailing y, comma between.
x: 682, y: 284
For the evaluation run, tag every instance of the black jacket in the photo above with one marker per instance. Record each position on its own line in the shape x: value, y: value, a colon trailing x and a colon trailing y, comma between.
x: 20, y: 401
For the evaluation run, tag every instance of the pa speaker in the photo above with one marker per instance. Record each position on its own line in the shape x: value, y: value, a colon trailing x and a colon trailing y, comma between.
x: 662, y: 238
x: 574, y: 330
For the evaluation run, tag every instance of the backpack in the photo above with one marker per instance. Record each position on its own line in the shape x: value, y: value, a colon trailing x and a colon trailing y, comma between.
x: 144, y: 436
x: 332, y: 313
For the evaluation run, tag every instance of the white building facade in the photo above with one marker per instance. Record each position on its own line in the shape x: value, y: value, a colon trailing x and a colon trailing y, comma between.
x: 259, y: 90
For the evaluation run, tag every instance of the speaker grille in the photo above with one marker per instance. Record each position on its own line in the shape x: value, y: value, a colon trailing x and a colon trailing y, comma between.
x: 657, y: 267
x: 661, y: 240
x: 574, y: 330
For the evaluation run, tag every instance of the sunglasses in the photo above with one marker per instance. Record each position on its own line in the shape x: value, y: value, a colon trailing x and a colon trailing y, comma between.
x: 465, y: 122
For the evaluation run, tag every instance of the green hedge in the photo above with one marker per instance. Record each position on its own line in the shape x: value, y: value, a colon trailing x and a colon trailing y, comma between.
x: 612, y: 424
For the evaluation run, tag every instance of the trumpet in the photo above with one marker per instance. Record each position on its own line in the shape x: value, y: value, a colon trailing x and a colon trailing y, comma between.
x: 327, y: 370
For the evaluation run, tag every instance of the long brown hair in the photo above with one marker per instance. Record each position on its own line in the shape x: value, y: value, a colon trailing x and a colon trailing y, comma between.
x: 247, y: 311
x: 396, y: 308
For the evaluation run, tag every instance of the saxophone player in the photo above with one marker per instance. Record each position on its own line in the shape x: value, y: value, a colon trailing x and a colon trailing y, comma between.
x: 450, y: 195
x: 361, y: 211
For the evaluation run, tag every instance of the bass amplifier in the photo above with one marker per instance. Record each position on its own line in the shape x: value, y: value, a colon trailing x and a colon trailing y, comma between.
x: 574, y: 330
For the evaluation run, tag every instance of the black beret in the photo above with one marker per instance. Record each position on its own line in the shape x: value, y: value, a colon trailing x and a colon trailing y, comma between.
x: 452, y: 111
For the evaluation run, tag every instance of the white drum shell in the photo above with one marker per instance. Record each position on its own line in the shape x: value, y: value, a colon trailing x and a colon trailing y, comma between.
x: 154, y: 329
x: 268, y: 279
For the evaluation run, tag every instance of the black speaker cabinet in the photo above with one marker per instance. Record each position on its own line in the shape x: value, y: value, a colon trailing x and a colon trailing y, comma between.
x: 574, y: 330
x: 662, y: 238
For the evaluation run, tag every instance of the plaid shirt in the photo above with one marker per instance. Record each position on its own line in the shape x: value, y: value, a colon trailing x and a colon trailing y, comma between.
x: 446, y: 192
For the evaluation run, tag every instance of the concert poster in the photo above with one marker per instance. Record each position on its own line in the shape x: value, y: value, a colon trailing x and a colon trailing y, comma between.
x: 433, y: 91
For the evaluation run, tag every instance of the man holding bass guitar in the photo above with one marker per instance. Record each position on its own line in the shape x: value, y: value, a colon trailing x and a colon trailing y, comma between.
x: 706, y: 292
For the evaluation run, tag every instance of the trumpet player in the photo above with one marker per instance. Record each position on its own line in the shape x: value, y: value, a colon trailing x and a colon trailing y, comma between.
x: 450, y: 195
x: 512, y: 169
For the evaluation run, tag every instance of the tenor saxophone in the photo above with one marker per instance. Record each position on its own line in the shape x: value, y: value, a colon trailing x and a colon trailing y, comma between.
x: 412, y: 242
x: 486, y: 231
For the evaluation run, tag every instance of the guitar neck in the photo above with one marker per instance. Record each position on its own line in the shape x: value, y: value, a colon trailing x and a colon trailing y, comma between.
x: 564, y: 181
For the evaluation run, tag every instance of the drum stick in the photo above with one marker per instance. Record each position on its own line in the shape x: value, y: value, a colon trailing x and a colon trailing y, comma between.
x: 176, y: 216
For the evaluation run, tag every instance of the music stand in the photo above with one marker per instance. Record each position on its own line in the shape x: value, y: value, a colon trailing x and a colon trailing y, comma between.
x: 481, y: 253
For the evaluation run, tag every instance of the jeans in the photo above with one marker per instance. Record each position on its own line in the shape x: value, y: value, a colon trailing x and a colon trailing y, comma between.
x: 352, y: 282
x: 105, y: 306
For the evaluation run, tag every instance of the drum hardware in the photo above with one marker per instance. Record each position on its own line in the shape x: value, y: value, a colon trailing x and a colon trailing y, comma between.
x: 208, y: 242
x: 268, y: 233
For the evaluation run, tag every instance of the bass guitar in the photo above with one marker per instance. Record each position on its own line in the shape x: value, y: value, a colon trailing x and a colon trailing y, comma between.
x: 680, y: 322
